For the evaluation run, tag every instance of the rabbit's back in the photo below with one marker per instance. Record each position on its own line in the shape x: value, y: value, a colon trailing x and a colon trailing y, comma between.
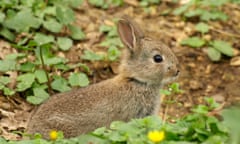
x: 83, y: 110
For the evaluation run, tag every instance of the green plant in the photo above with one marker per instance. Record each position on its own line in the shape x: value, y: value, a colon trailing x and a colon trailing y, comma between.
x: 111, y: 41
x: 4, y: 80
x: 236, y: 1
x: 216, y: 48
x: 146, y: 3
x: 209, y: 106
x: 29, y: 16
x: 173, y: 88
x: 204, y: 9
x: 150, y: 6
x: 195, y: 128
x: 105, y: 4
x: 37, y: 29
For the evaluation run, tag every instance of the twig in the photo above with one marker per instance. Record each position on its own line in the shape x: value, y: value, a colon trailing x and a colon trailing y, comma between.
x: 169, y: 98
x: 226, y: 33
x: 165, y: 114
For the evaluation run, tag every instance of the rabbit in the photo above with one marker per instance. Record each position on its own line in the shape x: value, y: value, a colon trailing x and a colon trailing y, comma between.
x: 145, y: 67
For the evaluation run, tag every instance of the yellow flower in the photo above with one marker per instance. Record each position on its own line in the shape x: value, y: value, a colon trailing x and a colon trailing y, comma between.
x: 156, y: 136
x: 53, y: 135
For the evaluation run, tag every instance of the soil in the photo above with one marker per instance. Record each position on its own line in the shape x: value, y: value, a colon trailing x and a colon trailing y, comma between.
x: 200, y: 77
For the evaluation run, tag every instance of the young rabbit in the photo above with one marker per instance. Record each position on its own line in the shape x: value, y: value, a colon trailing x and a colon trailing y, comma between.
x: 134, y: 93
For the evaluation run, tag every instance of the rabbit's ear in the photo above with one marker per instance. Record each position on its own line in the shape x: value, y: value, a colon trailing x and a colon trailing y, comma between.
x: 129, y: 32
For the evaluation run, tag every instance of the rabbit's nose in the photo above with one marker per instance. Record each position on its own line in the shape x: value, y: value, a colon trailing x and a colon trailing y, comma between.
x: 175, y: 73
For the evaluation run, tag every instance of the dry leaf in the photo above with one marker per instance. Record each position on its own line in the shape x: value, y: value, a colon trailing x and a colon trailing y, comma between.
x: 14, y: 118
x: 235, y: 61
x: 132, y: 2
x: 109, y: 23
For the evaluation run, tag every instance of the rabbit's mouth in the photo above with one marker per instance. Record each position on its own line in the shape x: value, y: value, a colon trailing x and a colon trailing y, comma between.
x: 170, y: 79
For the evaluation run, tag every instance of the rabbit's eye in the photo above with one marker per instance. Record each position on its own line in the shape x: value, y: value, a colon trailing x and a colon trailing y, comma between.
x: 158, y: 58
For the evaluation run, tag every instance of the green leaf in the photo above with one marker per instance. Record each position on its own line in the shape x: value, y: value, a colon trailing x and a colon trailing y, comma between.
x: 47, y: 11
x: 28, y: 3
x: 89, y: 55
x: 40, y: 95
x: 110, y: 30
x: 145, y: 3
x: 215, y: 139
x: 99, y: 3
x: 181, y: 9
x: 76, y: 32
x: 213, y: 15
x: 214, y: 3
x: 121, y: 2
x: 48, y: 57
x: 84, y: 67
x: 52, y: 25
x: 236, y: 1
x: 62, y: 66
x: 105, y: 28
x: 60, y: 84
x: 4, y: 80
x: 212, y: 103
x: 113, y: 41
x: 222, y: 46
x: 10, y: 13
x: 113, y: 53
x: 7, y: 65
x: 75, y: 3
x: 194, y: 13
x: 2, y: 17
x: 113, y: 32
x: 64, y: 43
x: 27, y: 67
x: 41, y: 76
x: 175, y: 87
x: 201, y: 109
x: 8, y: 91
x: 54, y: 60
x: 22, y: 21
x: 25, y: 81
x: 43, y: 39
x: 213, y: 54
x: 2, y: 86
x: 65, y: 15
x: 194, y: 42
x: 7, y: 34
x: 202, y: 27
x: 165, y: 92
x: 78, y: 79
x: 15, y: 56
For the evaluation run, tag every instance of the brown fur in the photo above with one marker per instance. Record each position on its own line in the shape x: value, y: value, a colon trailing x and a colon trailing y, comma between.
x: 133, y: 93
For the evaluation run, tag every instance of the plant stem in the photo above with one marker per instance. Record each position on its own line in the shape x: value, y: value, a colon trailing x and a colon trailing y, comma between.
x: 45, y: 70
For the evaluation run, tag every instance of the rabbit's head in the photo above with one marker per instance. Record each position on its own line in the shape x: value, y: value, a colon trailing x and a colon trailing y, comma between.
x: 145, y: 60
